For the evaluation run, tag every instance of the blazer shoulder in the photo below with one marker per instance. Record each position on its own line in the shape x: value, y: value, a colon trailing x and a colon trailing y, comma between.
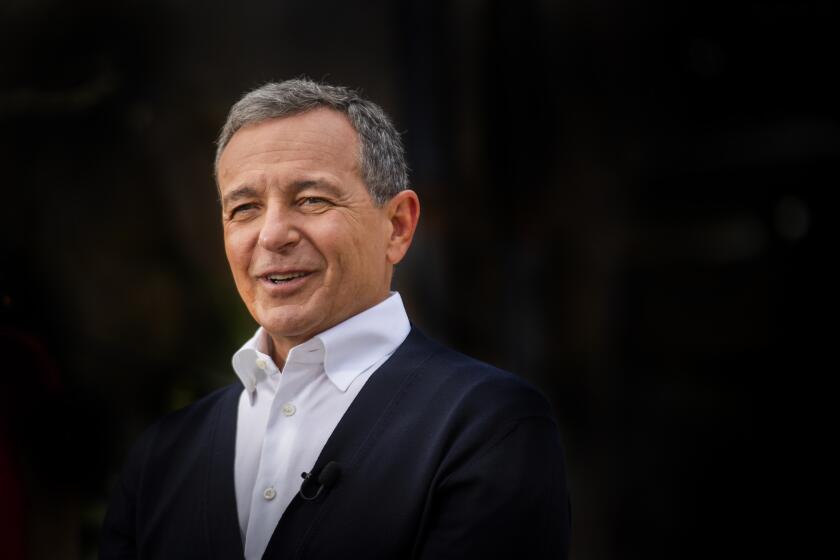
x: 478, y: 387
x: 193, y: 420
x: 203, y: 407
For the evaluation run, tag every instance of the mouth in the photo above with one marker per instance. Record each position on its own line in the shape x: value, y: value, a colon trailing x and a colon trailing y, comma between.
x: 278, y: 279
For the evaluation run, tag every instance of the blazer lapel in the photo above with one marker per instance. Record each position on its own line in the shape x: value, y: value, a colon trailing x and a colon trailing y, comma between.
x: 357, y: 430
x: 223, y: 533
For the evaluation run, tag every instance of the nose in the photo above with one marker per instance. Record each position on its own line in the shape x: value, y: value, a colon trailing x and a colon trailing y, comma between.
x: 279, y: 230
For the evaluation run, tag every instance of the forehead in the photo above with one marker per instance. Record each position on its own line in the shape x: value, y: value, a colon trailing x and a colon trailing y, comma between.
x: 318, y: 140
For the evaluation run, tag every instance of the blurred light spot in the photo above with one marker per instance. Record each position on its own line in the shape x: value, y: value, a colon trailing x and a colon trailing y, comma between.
x: 792, y: 218
x: 7, y: 300
x: 706, y: 58
x: 735, y: 239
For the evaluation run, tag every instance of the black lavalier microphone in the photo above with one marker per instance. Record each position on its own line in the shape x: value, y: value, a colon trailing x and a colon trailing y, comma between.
x: 327, y: 477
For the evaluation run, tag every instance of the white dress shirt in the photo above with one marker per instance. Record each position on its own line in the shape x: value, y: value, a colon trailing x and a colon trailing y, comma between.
x: 285, y: 418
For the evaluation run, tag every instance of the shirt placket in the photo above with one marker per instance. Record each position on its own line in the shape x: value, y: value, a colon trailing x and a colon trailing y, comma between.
x: 270, y: 493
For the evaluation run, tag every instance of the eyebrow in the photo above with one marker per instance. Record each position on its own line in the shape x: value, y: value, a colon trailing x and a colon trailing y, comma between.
x: 321, y: 184
x: 247, y: 191
x: 238, y: 193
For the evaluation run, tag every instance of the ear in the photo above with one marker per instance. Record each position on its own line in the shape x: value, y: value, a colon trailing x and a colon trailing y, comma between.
x: 403, y: 212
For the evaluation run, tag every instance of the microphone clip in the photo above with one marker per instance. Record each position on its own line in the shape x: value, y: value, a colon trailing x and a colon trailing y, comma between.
x: 328, y: 476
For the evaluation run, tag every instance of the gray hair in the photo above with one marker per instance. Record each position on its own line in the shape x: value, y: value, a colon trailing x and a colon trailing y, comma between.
x: 382, y: 157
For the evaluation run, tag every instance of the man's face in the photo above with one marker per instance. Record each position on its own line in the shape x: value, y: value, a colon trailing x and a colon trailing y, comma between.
x: 305, y: 242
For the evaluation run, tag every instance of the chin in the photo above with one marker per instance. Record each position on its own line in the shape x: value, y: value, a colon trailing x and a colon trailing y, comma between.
x: 285, y: 323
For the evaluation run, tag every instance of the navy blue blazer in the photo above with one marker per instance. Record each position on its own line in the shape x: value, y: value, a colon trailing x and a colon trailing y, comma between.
x: 440, y: 456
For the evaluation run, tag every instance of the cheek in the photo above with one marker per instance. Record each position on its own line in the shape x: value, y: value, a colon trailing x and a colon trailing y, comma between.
x: 238, y: 251
x: 353, y: 249
x: 361, y: 255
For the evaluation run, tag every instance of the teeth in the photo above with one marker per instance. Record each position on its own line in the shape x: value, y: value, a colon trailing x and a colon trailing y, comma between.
x: 285, y: 277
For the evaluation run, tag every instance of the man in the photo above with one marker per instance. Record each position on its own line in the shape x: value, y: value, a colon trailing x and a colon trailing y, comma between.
x: 408, y: 449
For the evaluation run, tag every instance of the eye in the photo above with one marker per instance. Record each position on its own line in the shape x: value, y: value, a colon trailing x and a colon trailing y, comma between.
x: 313, y: 201
x: 242, y: 208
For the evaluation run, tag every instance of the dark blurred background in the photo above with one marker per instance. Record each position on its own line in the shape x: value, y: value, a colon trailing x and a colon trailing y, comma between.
x: 624, y: 202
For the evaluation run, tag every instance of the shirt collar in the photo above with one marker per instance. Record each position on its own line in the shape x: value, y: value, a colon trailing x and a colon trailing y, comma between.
x: 248, y: 359
x: 351, y: 347
x: 345, y: 350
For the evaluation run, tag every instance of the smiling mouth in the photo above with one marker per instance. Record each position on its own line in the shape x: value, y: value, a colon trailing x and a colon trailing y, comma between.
x: 285, y: 278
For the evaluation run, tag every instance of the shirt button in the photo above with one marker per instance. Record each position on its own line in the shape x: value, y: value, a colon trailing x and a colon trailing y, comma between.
x: 289, y: 409
x: 269, y: 493
x: 261, y: 363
